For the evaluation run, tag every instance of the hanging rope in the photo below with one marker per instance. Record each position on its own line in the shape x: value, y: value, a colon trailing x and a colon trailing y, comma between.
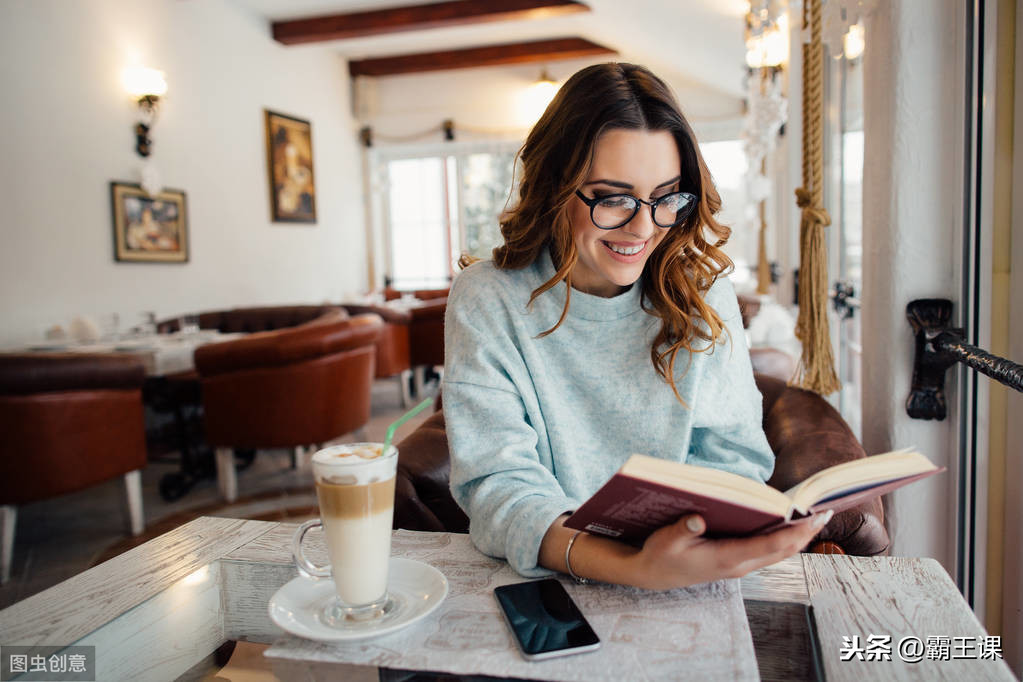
x: 816, y: 370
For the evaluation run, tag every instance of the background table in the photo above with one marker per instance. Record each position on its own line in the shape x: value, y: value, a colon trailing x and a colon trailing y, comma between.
x: 156, y: 611
x: 162, y: 354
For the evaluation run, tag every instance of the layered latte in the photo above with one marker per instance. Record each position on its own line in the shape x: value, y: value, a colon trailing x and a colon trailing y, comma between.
x: 355, y: 489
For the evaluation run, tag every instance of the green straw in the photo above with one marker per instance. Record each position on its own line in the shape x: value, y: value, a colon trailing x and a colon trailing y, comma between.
x: 404, y: 418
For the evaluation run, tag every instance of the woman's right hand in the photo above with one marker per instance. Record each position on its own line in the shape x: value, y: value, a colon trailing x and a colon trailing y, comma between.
x: 678, y: 555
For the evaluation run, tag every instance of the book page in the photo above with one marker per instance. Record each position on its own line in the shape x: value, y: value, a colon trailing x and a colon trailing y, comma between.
x: 858, y: 474
x: 708, y: 481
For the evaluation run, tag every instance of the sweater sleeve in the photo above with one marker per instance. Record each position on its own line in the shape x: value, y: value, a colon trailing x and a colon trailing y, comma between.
x: 728, y: 428
x: 510, y: 496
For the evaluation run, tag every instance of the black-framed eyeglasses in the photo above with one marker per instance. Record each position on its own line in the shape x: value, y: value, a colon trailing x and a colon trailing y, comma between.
x: 612, y: 211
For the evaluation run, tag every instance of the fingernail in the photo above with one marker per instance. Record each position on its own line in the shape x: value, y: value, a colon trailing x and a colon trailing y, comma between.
x: 694, y: 524
x: 822, y: 519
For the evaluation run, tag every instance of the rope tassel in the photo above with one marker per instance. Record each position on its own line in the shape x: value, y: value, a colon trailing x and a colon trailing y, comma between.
x: 816, y: 370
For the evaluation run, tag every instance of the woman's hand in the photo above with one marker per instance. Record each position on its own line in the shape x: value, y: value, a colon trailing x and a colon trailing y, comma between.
x: 678, y: 555
x: 673, y: 556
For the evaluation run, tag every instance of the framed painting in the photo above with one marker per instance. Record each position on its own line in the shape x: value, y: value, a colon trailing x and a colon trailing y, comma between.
x: 149, y: 229
x: 289, y: 148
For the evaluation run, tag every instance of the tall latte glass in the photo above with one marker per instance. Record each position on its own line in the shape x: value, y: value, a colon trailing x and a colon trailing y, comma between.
x: 355, y: 489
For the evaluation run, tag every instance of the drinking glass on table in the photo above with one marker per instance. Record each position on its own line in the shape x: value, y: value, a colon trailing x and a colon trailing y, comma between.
x: 188, y: 324
x: 109, y: 326
x: 355, y: 490
x: 147, y: 323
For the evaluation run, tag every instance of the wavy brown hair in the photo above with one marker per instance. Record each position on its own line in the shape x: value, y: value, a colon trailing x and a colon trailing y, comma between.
x: 556, y: 160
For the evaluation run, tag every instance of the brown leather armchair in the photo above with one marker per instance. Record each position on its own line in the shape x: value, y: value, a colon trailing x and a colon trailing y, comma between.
x: 422, y: 294
x: 426, y: 339
x: 180, y: 394
x: 286, y: 388
x: 805, y: 433
x: 69, y: 421
x: 392, y: 347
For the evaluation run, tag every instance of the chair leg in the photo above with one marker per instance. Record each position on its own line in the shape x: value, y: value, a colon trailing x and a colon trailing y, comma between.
x: 8, y: 515
x: 298, y: 456
x: 133, y: 488
x: 419, y: 378
x: 406, y: 395
x: 227, y: 478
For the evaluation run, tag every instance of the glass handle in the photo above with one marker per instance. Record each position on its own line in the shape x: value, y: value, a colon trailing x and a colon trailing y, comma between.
x: 296, y: 550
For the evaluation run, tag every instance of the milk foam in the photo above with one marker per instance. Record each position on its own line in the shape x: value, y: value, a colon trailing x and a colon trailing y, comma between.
x: 353, y: 464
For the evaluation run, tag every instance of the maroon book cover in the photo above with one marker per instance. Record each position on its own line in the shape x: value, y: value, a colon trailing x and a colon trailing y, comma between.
x: 629, y: 509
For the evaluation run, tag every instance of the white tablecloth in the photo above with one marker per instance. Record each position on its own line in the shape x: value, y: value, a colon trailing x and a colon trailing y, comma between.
x: 161, y: 354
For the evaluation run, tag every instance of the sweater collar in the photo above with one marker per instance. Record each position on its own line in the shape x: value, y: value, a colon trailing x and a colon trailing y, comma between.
x: 587, y: 306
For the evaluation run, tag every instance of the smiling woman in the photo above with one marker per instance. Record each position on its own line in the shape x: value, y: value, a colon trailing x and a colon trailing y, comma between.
x: 604, y: 326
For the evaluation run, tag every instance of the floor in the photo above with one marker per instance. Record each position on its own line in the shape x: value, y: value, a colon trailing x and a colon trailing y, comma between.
x: 56, y: 539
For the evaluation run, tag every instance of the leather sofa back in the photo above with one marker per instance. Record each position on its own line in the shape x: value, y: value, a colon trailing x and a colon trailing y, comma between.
x: 392, y: 348
x: 26, y: 373
x: 297, y: 386
x: 68, y: 421
x: 422, y: 294
x: 254, y: 319
x: 426, y: 333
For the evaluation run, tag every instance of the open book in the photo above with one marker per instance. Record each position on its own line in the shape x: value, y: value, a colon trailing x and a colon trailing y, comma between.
x: 648, y: 493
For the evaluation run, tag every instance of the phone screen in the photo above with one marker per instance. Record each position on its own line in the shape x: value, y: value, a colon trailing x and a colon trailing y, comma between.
x: 545, y: 620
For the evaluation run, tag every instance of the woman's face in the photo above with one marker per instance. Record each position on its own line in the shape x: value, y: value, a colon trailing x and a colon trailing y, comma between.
x: 645, y: 164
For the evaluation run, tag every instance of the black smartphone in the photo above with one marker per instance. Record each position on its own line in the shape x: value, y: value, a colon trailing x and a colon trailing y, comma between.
x: 544, y: 619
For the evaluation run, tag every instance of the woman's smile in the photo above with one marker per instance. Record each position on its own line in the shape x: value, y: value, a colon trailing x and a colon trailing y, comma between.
x: 626, y: 252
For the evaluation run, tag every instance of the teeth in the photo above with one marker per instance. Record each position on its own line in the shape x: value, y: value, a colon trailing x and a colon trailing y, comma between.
x: 625, y: 250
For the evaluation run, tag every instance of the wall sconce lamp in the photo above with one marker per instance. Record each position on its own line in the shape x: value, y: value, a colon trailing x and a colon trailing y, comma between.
x: 146, y: 86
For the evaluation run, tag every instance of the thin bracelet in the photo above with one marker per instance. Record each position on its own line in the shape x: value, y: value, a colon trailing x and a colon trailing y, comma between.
x: 568, y: 564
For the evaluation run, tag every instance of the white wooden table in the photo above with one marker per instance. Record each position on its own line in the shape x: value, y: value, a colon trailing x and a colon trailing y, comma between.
x: 157, y: 610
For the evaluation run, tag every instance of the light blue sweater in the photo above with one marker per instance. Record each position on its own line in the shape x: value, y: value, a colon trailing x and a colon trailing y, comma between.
x: 536, y: 426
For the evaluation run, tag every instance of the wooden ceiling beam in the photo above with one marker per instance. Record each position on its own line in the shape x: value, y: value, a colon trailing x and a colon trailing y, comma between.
x: 490, y: 55
x: 417, y: 17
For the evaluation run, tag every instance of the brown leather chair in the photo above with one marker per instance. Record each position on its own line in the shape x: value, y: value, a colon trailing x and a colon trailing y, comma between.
x: 253, y: 319
x: 805, y: 433
x: 286, y: 388
x: 68, y: 422
x: 422, y: 294
x: 426, y: 339
x: 392, y: 348
x: 180, y: 394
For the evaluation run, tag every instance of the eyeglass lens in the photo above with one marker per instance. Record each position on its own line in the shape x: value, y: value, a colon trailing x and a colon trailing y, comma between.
x: 618, y: 209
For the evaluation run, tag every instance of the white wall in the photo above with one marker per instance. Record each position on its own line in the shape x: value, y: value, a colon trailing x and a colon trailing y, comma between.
x: 495, y: 99
x: 912, y: 198
x: 68, y: 131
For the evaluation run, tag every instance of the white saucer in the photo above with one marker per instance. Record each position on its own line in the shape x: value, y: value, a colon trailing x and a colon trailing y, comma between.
x: 417, y: 589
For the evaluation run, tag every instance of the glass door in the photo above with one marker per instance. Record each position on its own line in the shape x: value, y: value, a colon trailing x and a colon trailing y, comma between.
x: 844, y: 199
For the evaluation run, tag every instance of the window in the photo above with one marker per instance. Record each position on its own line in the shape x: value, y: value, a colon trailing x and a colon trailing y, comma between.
x: 418, y: 215
x: 439, y: 203
x: 727, y: 163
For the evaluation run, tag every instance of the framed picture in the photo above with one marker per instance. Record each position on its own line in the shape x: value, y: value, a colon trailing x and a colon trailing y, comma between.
x: 149, y: 229
x: 289, y: 149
